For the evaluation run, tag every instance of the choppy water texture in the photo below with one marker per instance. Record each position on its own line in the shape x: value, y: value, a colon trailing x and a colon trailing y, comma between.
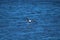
x: 45, y: 16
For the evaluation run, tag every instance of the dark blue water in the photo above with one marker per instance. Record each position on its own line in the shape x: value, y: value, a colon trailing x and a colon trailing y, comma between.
x: 45, y: 17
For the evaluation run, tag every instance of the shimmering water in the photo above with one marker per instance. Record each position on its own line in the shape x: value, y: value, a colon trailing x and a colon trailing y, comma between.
x: 44, y: 16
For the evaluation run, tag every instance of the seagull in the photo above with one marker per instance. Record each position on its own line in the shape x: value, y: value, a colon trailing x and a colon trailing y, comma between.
x: 28, y: 20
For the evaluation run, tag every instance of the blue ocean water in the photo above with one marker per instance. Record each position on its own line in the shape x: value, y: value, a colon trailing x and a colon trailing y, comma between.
x: 44, y: 16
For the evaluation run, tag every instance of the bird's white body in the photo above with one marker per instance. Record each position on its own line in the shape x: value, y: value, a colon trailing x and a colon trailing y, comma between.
x: 29, y: 20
